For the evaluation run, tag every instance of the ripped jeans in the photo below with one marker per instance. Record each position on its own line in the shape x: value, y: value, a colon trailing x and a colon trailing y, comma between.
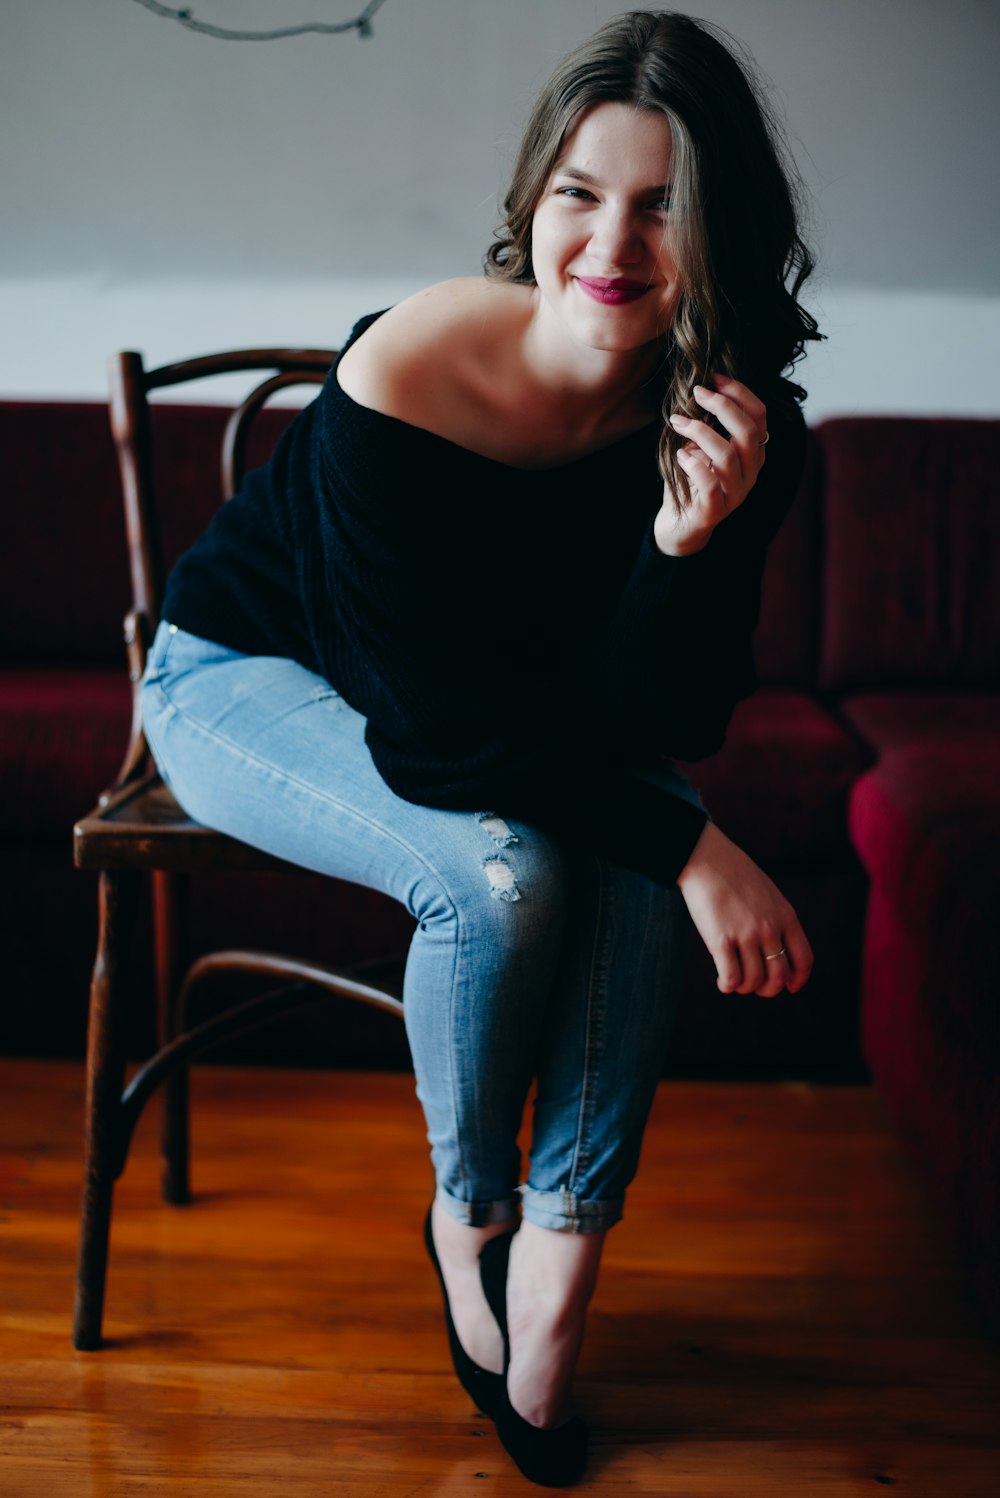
x: 526, y: 962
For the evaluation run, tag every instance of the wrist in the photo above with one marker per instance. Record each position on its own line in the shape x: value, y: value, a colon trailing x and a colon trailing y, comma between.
x: 701, y: 856
x: 674, y: 543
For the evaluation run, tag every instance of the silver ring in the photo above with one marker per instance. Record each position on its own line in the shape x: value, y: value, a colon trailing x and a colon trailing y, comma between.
x: 773, y: 956
x: 767, y: 438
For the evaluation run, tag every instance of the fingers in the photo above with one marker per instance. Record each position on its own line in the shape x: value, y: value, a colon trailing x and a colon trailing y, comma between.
x: 740, y: 968
x: 776, y: 972
x: 752, y: 966
x: 743, y: 416
x: 766, y: 963
x: 745, y: 398
x: 727, y: 966
x: 800, y: 956
x: 701, y: 472
x: 718, y: 450
x: 729, y: 465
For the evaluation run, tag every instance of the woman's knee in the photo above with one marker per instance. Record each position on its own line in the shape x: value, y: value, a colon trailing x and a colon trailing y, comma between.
x: 500, y: 874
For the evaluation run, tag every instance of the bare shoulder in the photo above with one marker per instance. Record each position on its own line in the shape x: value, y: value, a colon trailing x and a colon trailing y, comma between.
x: 423, y: 352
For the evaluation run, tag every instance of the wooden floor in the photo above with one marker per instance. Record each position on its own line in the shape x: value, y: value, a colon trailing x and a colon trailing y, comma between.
x: 779, y: 1313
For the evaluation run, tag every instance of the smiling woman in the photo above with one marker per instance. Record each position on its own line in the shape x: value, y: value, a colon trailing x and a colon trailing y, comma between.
x: 732, y: 219
x: 502, y: 571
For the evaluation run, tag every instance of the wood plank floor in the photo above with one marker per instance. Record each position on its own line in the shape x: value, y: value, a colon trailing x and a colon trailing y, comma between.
x: 779, y: 1314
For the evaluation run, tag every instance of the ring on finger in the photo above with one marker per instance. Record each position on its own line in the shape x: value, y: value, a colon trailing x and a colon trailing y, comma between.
x: 767, y: 438
x: 773, y: 956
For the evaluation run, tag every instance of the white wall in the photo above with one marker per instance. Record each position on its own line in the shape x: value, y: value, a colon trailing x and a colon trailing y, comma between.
x: 170, y: 192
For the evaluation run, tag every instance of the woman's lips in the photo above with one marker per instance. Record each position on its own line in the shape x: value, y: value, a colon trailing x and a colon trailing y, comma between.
x: 612, y: 293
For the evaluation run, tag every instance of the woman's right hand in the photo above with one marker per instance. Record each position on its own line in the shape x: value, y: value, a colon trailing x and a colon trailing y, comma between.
x: 743, y: 918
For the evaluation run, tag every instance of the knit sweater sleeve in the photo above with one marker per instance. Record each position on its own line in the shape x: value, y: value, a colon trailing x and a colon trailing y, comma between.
x: 665, y: 671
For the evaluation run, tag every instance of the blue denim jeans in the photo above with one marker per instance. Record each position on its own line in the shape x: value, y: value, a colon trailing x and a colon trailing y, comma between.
x: 526, y: 963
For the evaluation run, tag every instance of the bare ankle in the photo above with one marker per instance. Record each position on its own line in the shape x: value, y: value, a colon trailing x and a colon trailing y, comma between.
x: 458, y: 1247
x: 561, y: 1267
x: 459, y: 1242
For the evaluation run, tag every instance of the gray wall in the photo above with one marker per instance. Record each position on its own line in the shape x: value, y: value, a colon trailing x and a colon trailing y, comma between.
x: 136, y: 157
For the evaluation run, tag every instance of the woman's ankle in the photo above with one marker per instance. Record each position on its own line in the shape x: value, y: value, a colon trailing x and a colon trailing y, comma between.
x: 458, y: 1247
x: 459, y: 1242
x: 560, y: 1267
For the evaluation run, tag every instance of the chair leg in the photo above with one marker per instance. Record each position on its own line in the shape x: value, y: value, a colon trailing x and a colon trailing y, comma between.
x: 170, y: 931
x: 109, y: 992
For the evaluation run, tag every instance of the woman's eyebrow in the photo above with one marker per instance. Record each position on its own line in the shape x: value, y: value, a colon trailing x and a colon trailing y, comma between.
x: 573, y: 171
x: 579, y: 175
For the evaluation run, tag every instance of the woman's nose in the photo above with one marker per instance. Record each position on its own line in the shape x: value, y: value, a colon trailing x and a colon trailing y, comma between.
x: 616, y: 240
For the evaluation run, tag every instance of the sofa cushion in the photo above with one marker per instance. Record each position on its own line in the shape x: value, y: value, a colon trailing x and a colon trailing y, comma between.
x: 926, y: 815
x: 911, y: 568
x: 64, y: 571
x: 892, y: 720
x: 62, y: 739
x: 779, y: 785
x: 926, y: 821
x: 64, y: 583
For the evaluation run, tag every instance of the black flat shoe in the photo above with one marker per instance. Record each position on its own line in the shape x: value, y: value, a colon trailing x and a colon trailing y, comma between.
x: 485, y: 1389
x: 551, y: 1458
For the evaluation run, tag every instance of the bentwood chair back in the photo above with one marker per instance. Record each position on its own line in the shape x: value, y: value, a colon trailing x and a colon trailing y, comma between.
x: 138, y: 831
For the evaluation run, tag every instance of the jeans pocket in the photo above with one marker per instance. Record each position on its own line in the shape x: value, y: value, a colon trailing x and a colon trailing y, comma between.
x: 159, y: 651
x: 156, y: 656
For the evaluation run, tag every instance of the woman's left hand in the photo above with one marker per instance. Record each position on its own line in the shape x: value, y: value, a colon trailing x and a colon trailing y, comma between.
x: 720, y: 470
x: 752, y: 933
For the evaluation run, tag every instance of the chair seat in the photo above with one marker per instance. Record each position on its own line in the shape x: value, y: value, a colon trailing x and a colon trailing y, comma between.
x: 141, y: 826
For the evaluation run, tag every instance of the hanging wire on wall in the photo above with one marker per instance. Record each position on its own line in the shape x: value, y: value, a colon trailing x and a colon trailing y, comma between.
x: 362, y: 24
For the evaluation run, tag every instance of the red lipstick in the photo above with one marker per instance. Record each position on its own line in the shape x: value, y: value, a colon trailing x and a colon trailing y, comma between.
x: 612, y: 293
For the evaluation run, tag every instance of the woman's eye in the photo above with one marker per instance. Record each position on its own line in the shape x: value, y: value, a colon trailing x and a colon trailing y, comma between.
x: 661, y: 205
x: 574, y: 192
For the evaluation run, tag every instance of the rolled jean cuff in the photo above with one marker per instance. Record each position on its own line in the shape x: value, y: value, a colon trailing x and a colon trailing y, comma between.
x: 478, y: 1214
x: 566, y: 1213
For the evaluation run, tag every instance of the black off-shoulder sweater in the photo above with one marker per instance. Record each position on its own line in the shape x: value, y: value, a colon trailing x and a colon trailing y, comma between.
x: 515, y: 639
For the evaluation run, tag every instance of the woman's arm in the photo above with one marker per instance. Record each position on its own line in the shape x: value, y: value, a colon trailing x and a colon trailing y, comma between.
x: 698, y: 611
x: 665, y: 671
x: 751, y: 931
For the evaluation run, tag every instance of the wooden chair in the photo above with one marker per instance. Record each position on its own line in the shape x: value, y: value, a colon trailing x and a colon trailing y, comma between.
x: 137, y: 828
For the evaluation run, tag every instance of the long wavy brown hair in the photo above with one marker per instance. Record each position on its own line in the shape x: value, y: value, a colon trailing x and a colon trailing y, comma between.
x: 733, y: 221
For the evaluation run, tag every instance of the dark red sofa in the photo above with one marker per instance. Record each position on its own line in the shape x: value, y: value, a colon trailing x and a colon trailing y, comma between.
x: 863, y: 775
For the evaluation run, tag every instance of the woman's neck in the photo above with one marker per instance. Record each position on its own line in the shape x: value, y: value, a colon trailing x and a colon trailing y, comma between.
x: 597, y: 387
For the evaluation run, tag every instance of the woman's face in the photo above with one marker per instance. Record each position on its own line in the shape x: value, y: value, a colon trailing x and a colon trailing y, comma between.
x: 599, y: 234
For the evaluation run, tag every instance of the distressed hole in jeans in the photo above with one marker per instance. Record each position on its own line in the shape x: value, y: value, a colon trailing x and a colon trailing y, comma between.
x: 500, y: 878
x: 497, y: 829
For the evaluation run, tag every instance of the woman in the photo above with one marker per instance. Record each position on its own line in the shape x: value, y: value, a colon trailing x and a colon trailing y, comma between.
x: 506, y: 564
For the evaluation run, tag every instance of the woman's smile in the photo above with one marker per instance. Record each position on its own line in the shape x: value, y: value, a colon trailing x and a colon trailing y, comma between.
x: 612, y: 293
